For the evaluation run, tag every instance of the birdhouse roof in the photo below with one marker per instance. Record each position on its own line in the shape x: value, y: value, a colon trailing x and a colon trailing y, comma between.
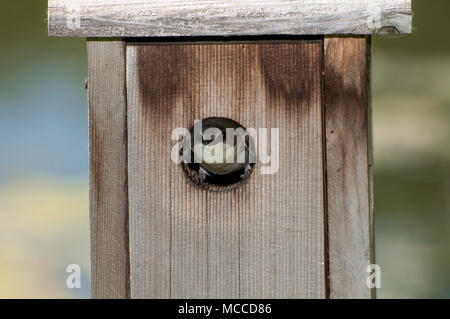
x: 165, y: 18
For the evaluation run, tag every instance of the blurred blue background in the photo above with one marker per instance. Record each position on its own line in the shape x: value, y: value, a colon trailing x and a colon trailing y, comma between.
x: 44, y: 205
x: 44, y: 156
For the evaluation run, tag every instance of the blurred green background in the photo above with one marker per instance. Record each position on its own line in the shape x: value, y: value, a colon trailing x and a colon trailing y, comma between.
x: 44, y: 156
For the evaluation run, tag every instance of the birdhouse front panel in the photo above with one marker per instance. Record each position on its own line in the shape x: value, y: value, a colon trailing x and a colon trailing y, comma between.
x: 261, y: 238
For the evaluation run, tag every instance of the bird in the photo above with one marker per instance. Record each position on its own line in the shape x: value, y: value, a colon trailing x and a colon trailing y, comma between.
x: 217, y: 159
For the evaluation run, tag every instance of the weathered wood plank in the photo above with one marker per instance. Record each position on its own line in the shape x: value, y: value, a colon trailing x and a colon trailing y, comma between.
x: 157, y: 18
x: 282, y: 245
x: 108, y: 170
x: 264, y: 239
x: 348, y: 149
x: 149, y: 146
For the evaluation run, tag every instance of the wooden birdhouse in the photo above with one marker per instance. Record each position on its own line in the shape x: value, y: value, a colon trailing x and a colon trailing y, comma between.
x: 172, y: 222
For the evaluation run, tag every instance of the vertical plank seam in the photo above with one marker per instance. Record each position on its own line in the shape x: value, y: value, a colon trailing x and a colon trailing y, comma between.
x: 171, y: 215
x: 127, y: 219
x: 239, y: 249
x: 208, y: 243
x: 325, y: 179
x: 370, y: 154
x: 171, y: 233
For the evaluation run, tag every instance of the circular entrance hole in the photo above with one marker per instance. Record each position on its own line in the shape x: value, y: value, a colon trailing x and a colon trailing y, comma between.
x: 218, y: 154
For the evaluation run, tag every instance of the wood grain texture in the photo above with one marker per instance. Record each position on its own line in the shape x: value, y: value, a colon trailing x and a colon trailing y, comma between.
x: 158, y: 18
x: 349, y: 178
x: 262, y: 240
x: 108, y: 170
